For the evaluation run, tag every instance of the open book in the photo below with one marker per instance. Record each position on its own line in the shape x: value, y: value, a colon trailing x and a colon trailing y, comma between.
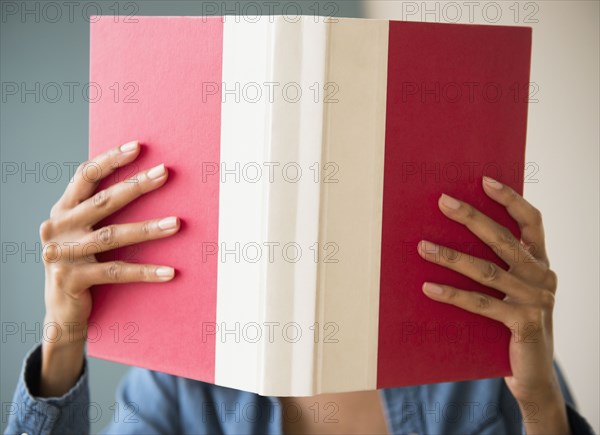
x: 306, y: 159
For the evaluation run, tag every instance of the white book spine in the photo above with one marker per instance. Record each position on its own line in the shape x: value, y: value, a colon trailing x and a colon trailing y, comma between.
x: 318, y: 134
x: 242, y: 202
x: 297, y: 126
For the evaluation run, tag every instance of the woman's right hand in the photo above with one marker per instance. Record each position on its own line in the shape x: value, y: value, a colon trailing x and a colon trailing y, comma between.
x: 70, y: 242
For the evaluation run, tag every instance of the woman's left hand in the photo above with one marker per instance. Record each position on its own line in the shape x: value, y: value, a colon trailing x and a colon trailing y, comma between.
x: 530, y: 287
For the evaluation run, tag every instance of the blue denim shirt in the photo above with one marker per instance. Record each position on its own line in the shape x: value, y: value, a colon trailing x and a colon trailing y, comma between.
x: 157, y: 403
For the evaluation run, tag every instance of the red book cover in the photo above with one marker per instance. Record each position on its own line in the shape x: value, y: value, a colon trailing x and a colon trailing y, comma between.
x: 456, y: 110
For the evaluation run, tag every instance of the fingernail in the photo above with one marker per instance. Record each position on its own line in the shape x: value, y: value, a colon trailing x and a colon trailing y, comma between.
x: 428, y: 247
x: 492, y: 183
x: 450, y: 202
x: 157, y: 171
x: 167, y: 223
x: 165, y: 272
x: 130, y: 146
x: 432, y: 289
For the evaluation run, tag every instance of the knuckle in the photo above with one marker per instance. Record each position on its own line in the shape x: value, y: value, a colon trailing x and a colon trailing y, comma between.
x: 59, y: 276
x: 483, y: 302
x: 146, y: 229
x: 448, y: 255
x: 89, y: 171
x: 533, y: 315
x: 543, y: 265
x: 107, y: 235
x: 452, y: 293
x: 114, y: 271
x: 100, y: 199
x: 505, y: 237
x: 81, y: 168
x: 55, y: 210
x: 551, y: 280
x: 470, y: 213
x: 536, y: 216
x: 490, y: 274
x: 547, y: 300
x: 51, y: 253
x: 145, y: 273
x: 46, y: 229
x: 513, y: 196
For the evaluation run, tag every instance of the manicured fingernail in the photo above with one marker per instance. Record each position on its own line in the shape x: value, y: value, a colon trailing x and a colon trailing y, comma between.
x: 130, y: 146
x: 428, y: 247
x: 157, y: 171
x: 167, y: 223
x: 450, y: 202
x: 165, y: 272
x: 432, y: 289
x: 492, y: 183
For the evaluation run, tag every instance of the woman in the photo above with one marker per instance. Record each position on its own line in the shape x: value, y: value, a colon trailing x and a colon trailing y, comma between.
x: 53, y: 389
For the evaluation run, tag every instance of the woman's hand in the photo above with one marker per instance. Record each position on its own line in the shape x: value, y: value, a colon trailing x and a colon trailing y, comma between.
x: 529, y: 286
x: 70, y: 243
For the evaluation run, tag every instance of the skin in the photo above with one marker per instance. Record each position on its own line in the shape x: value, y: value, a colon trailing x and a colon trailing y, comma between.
x: 529, y: 285
x: 530, y: 288
x: 68, y: 277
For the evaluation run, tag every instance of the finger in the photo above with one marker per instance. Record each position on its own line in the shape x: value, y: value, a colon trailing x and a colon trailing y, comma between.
x: 527, y: 216
x: 88, y: 174
x: 496, y: 236
x: 116, y: 236
x: 481, y: 271
x: 107, y: 201
x: 119, y: 272
x: 471, y: 301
